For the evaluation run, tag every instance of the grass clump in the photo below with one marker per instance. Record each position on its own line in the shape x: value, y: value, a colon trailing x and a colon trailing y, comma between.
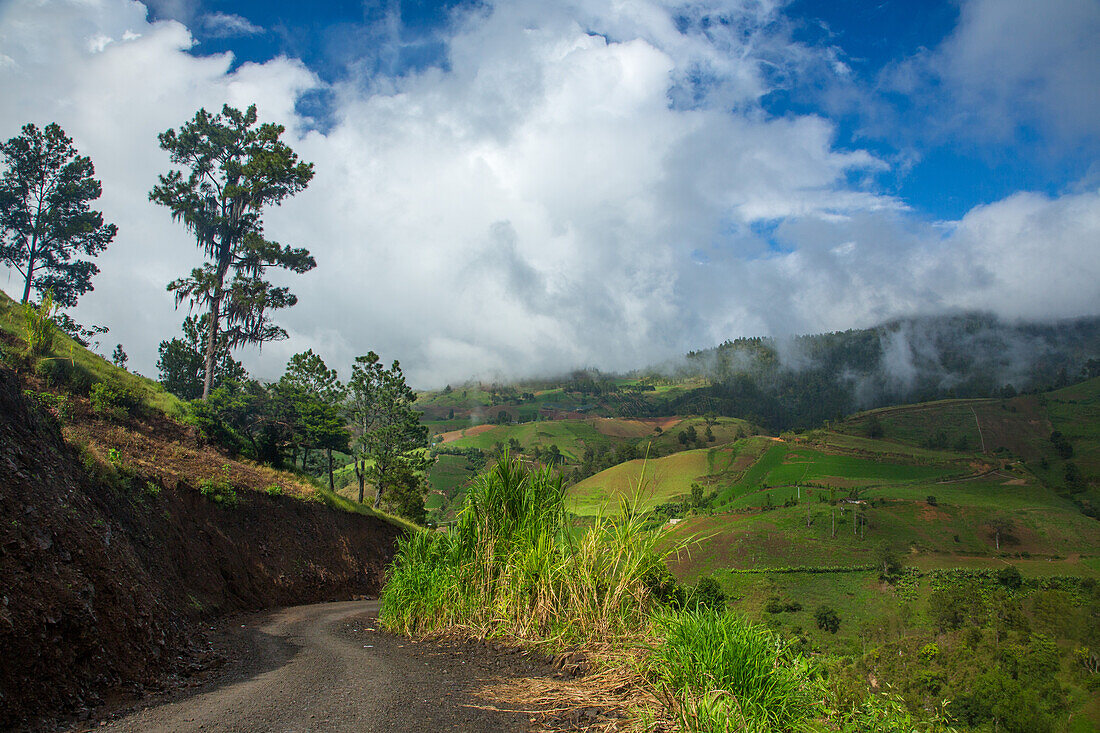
x: 511, y: 565
x: 38, y: 326
x: 721, y: 673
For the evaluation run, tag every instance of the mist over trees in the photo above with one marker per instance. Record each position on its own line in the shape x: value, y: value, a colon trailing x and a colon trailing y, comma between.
x: 803, y: 381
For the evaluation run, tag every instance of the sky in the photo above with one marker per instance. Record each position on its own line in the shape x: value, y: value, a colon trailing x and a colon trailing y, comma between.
x: 521, y: 188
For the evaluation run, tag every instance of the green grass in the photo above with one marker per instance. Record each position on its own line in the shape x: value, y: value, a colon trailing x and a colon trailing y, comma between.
x: 647, y: 482
x: 335, y: 501
x: 731, y: 675
x: 571, y: 437
x: 810, y: 465
x: 88, y: 366
x: 511, y: 564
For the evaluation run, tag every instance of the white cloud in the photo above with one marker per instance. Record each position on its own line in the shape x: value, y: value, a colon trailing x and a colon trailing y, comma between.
x: 543, y: 203
x: 1011, y: 64
x: 229, y: 25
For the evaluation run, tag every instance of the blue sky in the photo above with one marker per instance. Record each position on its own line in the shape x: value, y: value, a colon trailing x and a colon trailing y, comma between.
x: 514, y: 186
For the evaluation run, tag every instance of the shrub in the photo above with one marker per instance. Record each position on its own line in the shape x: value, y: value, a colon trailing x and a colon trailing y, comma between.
x: 58, y: 406
x: 708, y: 595
x: 928, y: 652
x: 1009, y: 577
x: 827, y: 619
x: 218, y: 489
x: 274, y: 490
x: 113, y: 399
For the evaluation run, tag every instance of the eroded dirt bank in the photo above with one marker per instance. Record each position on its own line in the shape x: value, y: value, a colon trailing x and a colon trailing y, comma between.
x: 103, y: 586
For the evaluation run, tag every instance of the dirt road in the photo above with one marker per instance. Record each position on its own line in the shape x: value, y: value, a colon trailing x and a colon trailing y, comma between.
x: 327, y: 667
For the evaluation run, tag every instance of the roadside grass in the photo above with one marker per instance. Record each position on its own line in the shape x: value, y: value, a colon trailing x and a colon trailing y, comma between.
x: 511, y: 565
x: 514, y: 566
x: 726, y: 674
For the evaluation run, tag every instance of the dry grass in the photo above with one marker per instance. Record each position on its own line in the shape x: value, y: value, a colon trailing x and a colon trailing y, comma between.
x: 598, y: 687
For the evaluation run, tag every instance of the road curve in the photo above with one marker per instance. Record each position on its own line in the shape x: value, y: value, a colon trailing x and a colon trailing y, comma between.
x: 326, y: 667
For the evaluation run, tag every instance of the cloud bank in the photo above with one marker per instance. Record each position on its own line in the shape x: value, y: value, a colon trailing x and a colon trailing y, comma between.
x: 584, y: 184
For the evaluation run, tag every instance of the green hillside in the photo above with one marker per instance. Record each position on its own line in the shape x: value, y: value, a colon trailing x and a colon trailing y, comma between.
x: 71, y: 366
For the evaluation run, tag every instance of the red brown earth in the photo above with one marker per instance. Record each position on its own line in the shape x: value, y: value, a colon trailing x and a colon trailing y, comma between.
x: 104, y: 584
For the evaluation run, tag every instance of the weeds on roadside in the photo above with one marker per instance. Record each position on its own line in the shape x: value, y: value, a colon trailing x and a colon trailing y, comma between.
x: 511, y: 565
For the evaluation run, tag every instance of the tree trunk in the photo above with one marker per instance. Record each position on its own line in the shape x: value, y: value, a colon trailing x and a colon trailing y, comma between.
x: 27, y: 287
x: 331, y: 483
x: 359, y: 476
x: 211, y: 339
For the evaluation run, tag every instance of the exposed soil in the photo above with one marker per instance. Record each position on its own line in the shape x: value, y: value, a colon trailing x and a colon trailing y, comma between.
x: 465, y: 432
x: 104, y: 583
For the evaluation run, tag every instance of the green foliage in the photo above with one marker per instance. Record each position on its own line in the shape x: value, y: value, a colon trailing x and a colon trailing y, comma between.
x: 39, y: 328
x: 219, y: 489
x: 274, y: 490
x: 827, y: 619
x: 726, y: 674
x: 45, y: 216
x: 1009, y: 577
x: 404, y: 494
x: 236, y: 169
x: 511, y: 565
x: 182, y: 364
x: 112, y: 399
x: 389, y: 433
x: 57, y: 406
x: 708, y: 595
x: 312, y: 395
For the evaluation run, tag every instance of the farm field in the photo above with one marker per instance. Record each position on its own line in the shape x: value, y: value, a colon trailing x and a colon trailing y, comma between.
x: 644, y: 482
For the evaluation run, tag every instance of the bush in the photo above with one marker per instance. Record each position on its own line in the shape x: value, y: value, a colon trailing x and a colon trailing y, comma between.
x: 708, y: 595
x: 274, y: 490
x: 113, y: 399
x: 1009, y: 577
x: 827, y: 619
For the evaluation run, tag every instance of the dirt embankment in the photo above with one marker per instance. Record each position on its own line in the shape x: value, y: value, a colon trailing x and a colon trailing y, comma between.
x: 103, y: 587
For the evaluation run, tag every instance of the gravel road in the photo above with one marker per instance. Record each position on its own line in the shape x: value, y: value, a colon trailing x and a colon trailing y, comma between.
x: 327, y: 667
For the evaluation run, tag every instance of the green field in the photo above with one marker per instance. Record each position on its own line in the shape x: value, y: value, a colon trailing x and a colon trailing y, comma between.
x: 646, y: 482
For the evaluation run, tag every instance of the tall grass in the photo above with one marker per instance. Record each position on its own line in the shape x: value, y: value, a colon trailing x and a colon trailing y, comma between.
x: 721, y: 673
x: 511, y: 565
x: 39, y: 327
